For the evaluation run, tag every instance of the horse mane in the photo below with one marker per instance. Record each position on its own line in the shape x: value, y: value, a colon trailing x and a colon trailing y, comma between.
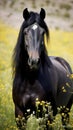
x: 20, y: 55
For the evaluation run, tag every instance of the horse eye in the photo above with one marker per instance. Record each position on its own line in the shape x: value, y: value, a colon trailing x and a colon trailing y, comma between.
x: 25, y: 36
x: 25, y: 32
x: 42, y: 43
x: 26, y: 45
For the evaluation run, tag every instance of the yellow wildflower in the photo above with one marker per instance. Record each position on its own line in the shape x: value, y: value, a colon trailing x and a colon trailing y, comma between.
x: 62, y: 114
x: 71, y: 76
x: 64, y: 91
x: 67, y: 84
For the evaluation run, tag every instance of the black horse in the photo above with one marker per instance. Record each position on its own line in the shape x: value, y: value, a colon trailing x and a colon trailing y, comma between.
x: 37, y: 75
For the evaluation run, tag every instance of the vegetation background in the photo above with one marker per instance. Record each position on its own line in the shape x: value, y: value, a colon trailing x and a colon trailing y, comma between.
x: 60, y: 23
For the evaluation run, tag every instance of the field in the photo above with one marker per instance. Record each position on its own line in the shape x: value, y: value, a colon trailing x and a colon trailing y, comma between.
x: 60, y: 44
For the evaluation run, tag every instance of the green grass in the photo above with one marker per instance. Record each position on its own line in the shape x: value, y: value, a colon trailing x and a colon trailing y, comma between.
x: 61, y: 44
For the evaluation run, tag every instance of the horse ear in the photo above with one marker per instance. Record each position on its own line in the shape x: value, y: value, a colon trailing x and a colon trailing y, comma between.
x: 42, y: 13
x: 26, y: 14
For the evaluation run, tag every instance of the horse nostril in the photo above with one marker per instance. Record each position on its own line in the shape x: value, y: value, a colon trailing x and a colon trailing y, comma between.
x: 38, y: 61
x: 33, y: 62
x: 29, y: 62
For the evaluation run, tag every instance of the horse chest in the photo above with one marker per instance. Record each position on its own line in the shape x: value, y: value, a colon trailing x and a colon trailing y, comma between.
x: 32, y: 92
x: 47, y: 79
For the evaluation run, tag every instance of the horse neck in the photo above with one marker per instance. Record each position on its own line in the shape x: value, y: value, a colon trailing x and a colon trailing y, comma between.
x: 31, y: 75
x: 45, y: 59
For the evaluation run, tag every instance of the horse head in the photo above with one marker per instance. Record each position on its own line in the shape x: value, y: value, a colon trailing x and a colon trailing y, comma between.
x: 34, y: 36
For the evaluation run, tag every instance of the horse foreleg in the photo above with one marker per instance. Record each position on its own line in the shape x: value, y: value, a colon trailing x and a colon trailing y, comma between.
x: 18, y: 112
x: 20, y: 119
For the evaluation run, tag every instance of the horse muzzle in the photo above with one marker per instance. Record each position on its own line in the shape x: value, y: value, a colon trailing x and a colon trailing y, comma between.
x: 33, y: 64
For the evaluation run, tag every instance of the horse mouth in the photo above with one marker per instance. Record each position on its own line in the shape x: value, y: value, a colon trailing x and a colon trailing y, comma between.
x: 34, y: 67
